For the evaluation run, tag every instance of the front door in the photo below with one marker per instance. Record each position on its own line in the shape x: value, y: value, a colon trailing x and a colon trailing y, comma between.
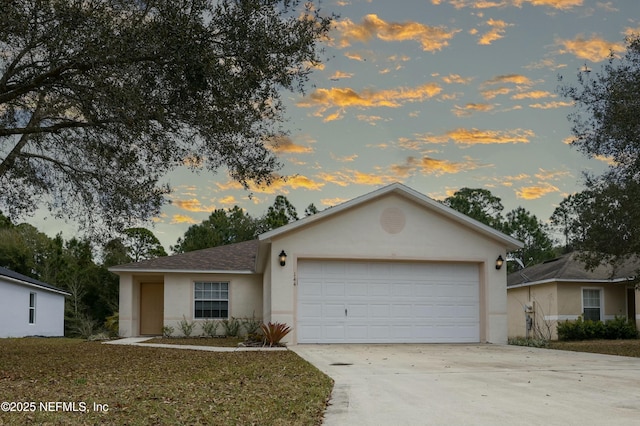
x: 151, y: 308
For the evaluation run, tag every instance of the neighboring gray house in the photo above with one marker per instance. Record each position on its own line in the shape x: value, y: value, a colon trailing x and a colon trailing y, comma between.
x: 391, y: 266
x: 29, y: 307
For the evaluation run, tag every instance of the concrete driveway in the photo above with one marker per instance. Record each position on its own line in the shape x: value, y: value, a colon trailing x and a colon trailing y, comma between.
x: 475, y: 385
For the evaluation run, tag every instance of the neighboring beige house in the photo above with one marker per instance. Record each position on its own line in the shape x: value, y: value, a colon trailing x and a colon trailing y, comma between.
x: 563, y: 289
x: 390, y: 266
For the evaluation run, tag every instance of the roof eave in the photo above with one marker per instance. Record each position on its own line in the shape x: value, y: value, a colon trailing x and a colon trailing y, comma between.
x: 181, y: 271
x: 28, y: 284
x: 572, y: 280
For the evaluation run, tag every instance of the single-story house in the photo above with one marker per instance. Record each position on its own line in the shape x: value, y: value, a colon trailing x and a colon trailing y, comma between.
x: 29, y: 307
x: 563, y: 289
x: 389, y: 266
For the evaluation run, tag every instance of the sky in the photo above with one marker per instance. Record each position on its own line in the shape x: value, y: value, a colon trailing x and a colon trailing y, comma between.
x: 436, y: 94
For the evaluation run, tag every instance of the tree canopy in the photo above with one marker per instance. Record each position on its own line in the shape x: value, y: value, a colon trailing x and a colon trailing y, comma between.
x: 100, y: 98
x: 479, y: 204
x: 606, y: 124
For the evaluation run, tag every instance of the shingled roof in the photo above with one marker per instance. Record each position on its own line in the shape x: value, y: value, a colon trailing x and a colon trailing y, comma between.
x: 569, y: 267
x: 238, y: 257
x: 14, y: 276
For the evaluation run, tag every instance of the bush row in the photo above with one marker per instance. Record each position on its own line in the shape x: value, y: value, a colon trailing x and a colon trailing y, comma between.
x: 618, y: 328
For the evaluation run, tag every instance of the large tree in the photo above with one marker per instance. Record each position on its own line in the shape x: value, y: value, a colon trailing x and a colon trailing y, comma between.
x: 100, y: 98
x: 525, y: 227
x: 479, y: 204
x: 221, y: 227
x: 606, y: 123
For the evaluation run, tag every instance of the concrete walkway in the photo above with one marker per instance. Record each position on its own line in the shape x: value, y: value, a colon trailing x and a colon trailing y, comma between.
x: 139, y: 341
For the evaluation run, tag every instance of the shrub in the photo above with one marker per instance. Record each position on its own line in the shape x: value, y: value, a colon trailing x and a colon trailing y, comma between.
x: 210, y: 327
x: 274, y: 332
x: 111, y: 324
x: 251, y: 325
x: 620, y: 328
x: 167, y: 331
x: 533, y: 343
x: 186, y: 326
x: 231, y: 327
x: 580, y: 330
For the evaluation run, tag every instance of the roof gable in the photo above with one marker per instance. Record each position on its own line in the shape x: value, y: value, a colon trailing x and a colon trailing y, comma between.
x: 23, y: 279
x: 408, y: 193
x: 238, y: 257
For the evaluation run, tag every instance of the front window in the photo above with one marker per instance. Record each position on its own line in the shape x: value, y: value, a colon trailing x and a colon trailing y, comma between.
x: 591, y: 304
x: 32, y: 308
x: 211, y: 300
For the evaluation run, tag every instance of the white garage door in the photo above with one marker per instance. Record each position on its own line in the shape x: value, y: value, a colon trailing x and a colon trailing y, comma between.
x: 387, y: 302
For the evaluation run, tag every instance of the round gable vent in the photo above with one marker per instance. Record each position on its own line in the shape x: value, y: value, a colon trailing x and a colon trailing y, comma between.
x: 392, y: 220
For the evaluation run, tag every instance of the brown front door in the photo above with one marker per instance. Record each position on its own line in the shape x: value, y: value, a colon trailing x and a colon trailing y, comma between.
x: 151, y: 308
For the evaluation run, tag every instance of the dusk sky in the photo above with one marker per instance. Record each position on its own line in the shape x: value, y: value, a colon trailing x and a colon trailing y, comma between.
x: 436, y: 94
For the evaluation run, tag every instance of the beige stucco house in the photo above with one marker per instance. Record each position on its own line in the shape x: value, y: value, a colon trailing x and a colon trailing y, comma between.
x: 389, y: 266
x: 563, y: 289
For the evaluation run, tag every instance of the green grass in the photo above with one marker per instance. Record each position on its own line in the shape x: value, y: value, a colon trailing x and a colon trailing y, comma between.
x: 159, y: 386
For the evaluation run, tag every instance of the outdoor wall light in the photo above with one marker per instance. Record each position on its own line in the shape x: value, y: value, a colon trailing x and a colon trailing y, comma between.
x: 283, y: 258
x: 499, y: 262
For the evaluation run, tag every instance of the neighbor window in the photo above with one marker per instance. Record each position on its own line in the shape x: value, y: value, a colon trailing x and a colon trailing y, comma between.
x: 211, y: 300
x: 591, y: 304
x: 32, y: 308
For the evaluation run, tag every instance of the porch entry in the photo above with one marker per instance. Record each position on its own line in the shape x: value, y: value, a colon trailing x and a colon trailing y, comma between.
x: 151, y: 308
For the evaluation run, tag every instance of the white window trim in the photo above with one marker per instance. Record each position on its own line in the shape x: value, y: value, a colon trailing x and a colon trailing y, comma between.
x: 32, y: 308
x: 228, y: 300
x: 601, y: 290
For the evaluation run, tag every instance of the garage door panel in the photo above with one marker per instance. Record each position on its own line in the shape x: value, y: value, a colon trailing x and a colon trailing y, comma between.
x: 378, y: 302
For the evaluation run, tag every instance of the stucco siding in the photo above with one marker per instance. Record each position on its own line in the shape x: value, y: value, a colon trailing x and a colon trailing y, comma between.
x: 541, y: 303
x: 391, y: 228
x: 14, y: 311
x: 245, y: 298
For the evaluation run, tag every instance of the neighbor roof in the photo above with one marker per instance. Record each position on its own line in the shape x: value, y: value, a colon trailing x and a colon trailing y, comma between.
x: 569, y: 267
x: 404, y: 191
x: 238, y: 257
x: 23, y: 279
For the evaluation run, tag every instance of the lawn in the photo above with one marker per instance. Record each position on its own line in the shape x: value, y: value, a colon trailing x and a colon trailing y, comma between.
x: 139, y: 385
x: 609, y: 347
x: 229, y: 342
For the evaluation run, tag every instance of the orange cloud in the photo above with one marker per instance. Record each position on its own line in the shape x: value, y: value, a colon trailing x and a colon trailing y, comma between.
x: 468, y: 109
x: 228, y: 200
x: 535, y: 94
x: 192, y: 205
x: 486, y: 4
x: 497, y: 31
x: 432, y: 166
x: 340, y: 74
x: 536, y: 191
x: 463, y: 136
x: 594, y: 49
x: 344, y: 159
x: 180, y: 218
x: 342, y: 98
x: 492, y: 93
x: 551, y: 105
x: 430, y: 38
x: 517, y: 79
x: 551, y: 175
x: 349, y: 177
x: 333, y: 201
x: 284, y: 144
x: 456, y: 78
